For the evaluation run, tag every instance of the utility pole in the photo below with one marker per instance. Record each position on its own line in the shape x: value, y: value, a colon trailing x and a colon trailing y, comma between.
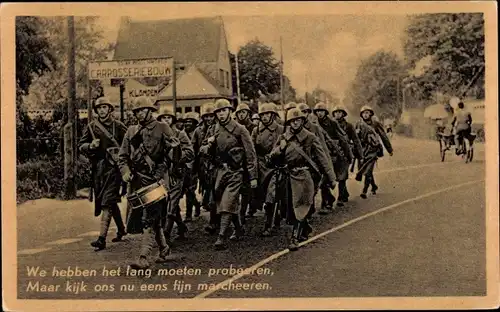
x: 237, y: 78
x: 174, y: 86
x: 70, y: 127
x: 122, y: 104
x: 281, y: 74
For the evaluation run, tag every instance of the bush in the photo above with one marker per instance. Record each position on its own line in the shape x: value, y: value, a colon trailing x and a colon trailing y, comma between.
x: 44, y: 178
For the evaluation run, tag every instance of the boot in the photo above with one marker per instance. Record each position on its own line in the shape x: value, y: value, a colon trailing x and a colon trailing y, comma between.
x: 297, y: 231
x: 197, y: 209
x: 365, y: 187
x: 239, y: 231
x: 306, y: 231
x: 188, y: 219
x: 119, y: 236
x: 164, y: 253
x: 99, y: 244
x: 374, y: 186
x: 141, y: 263
x: 211, y: 229
x: 182, y: 229
x: 324, y: 210
x: 220, y: 244
x: 268, y: 208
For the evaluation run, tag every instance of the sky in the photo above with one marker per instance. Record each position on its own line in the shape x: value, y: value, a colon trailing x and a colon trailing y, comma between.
x: 318, y: 50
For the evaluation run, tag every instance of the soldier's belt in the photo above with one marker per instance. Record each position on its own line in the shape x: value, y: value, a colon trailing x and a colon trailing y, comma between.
x: 297, y: 169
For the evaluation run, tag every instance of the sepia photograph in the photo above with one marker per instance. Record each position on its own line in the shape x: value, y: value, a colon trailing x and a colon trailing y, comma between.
x: 329, y: 155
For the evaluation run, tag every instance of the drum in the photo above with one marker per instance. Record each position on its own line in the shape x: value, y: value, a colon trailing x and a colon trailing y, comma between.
x: 147, y: 195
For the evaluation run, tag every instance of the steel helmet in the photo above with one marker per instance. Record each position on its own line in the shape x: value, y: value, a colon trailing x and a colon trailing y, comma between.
x: 192, y: 116
x: 304, y: 107
x: 255, y: 116
x: 366, y: 108
x: 294, y: 113
x: 165, y: 111
x: 268, y: 108
x: 143, y: 102
x: 320, y: 107
x: 221, y: 104
x: 178, y: 117
x: 103, y: 101
x: 242, y: 107
x: 290, y: 106
x: 207, y: 109
x: 340, y: 108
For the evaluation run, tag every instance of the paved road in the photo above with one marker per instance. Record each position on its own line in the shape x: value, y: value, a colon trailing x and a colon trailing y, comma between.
x: 423, y: 234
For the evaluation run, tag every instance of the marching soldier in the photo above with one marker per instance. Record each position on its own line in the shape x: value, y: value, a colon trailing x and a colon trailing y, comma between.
x: 232, y: 147
x: 144, y: 161
x: 191, y: 122
x: 179, y: 121
x: 204, y: 164
x: 329, y: 147
x: 370, y: 133
x: 175, y: 177
x: 100, y: 142
x: 288, y: 107
x: 339, y: 113
x: 243, y: 114
x: 255, y: 120
x: 341, y: 152
x: 305, y: 159
x: 264, y: 138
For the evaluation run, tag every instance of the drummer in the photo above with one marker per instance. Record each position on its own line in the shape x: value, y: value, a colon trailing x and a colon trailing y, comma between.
x: 143, y: 162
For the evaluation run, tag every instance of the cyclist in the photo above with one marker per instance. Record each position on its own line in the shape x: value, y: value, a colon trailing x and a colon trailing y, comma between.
x: 462, y: 121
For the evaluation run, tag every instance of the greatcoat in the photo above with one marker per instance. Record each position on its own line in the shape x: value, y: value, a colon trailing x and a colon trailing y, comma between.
x: 105, y: 173
x: 234, y: 154
x: 301, y: 173
x: 264, y: 137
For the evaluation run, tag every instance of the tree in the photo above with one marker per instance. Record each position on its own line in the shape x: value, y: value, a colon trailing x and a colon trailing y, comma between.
x: 34, y: 55
x: 260, y: 74
x: 376, y: 83
x: 258, y: 69
x: 454, y: 43
x: 50, y: 90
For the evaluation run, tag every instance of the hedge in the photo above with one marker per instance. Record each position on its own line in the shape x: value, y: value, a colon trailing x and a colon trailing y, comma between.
x: 44, y: 178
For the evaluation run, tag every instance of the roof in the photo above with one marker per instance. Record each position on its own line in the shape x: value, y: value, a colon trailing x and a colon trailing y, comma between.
x: 194, y: 83
x: 186, y: 40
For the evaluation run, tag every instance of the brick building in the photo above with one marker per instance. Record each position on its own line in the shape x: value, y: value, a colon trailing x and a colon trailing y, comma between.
x: 199, y: 48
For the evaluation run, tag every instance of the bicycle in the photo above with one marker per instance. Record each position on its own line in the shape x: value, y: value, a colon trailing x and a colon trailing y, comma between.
x: 446, y: 141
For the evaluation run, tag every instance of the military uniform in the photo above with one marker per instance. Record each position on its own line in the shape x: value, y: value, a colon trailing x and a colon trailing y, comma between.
x: 105, y: 172
x: 264, y: 137
x: 306, y: 160
x: 143, y: 161
x: 329, y: 147
x: 370, y: 134
x: 355, y: 147
x: 204, y: 164
x: 191, y: 177
x: 232, y: 148
x: 246, y: 192
x: 175, y: 178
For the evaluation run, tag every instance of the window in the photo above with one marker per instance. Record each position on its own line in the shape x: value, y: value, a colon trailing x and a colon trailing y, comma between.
x: 228, y: 83
x: 221, y: 78
x: 188, y: 109
x: 178, y: 109
x: 197, y: 109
